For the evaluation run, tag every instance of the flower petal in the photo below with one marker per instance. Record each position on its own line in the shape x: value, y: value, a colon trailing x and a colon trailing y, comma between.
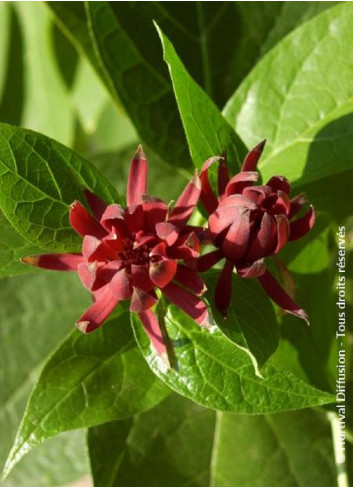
x: 154, y: 212
x: 189, y: 303
x: 265, y: 240
x: 205, y: 262
x: 252, y: 271
x: 186, y: 203
x: 163, y: 271
x: 236, y: 240
x: 95, y: 315
x: 190, y: 279
x: 141, y: 300
x: 151, y: 325
x: 89, y: 277
x: 96, y: 204
x: 208, y: 198
x: 223, y: 176
x: 282, y: 232
x: 296, y: 204
x: 55, y: 261
x: 141, y: 277
x: 114, y: 216
x: 95, y: 249
x: 137, y: 182
x: 280, y: 296
x: 168, y: 232
x: 252, y: 157
x: 240, y: 181
x: 120, y: 285
x: 279, y: 183
x: 223, y: 292
x: 282, y: 204
x: 301, y: 226
x: 238, y: 200
x: 83, y: 223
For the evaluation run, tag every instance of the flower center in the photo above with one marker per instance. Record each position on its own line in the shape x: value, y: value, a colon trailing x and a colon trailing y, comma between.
x: 135, y: 256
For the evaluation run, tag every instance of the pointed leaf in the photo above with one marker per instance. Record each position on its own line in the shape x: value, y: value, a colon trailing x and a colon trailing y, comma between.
x: 87, y: 381
x: 211, y: 370
x: 39, y: 179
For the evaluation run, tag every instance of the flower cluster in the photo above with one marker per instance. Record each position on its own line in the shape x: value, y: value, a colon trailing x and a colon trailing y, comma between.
x: 130, y: 253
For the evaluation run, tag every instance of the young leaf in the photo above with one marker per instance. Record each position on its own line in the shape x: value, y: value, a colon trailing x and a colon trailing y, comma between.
x: 251, y: 322
x: 88, y: 380
x: 179, y: 443
x: 30, y: 327
x: 302, y: 108
x: 39, y: 179
x: 209, y: 369
x: 207, y: 132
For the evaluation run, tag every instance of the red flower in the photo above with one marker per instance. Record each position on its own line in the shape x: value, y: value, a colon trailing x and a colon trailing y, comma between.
x: 129, y: 252
x: 248, y: 223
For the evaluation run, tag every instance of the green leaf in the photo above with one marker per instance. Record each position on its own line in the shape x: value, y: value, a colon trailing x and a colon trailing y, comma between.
x: 207, y: 131
x: 39, y: 179
x: 287, y: 449
x: 60, y: 461
x: 300, y: 106
x: 144, y: 91
x: 251, y: 322
x: 30, y: 327
x: 47, y: 106
x: 12, y: 248
x: 209, y: 369
x: 170, y: 445
x: 87, y: 381
x: 179, y: 443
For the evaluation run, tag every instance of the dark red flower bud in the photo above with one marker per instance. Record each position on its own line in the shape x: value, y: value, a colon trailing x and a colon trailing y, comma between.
x: 248, y: 223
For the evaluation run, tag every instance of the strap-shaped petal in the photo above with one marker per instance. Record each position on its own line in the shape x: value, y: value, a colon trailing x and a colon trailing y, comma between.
x: 137, y: 182
x: 282, y: 232
x: 190, y: 279
x: 186, y: 203
x: 279, y: 183
x: 280, y: 296
x: 254, y: 270
x: 302, y: 226
x: 189, y: 303
x: 141, y: 300
x: 83, y: 223
x: 163, y: 271
x: 96, y: 204
x: 152, y: 328
x: 265, y: 240
x: 121, y: 285
x: 141, y: 277
x: 205, y: 262
x: 240, y: 181
x: 223, y: 177
x: 251, y: 159
x: 208, y: 197
x: 89, y: 276
x: 55, y: 261
x: 99, y: 311
x: 235, y: 243
x: 223, y: 292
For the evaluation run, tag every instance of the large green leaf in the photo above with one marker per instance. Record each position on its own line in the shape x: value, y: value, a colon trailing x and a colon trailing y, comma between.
x: 298, y: 104
x: 144, y: 91
x: 251, y: 322
x: 47, y: 105
x: 30, y: 327
x: 211, y: 370
x: 12, y: 248
x: 87, y: 381
x: 178, y: 444
x: 39, y: 179
x: 207, y: 132
x: 219, y: 42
